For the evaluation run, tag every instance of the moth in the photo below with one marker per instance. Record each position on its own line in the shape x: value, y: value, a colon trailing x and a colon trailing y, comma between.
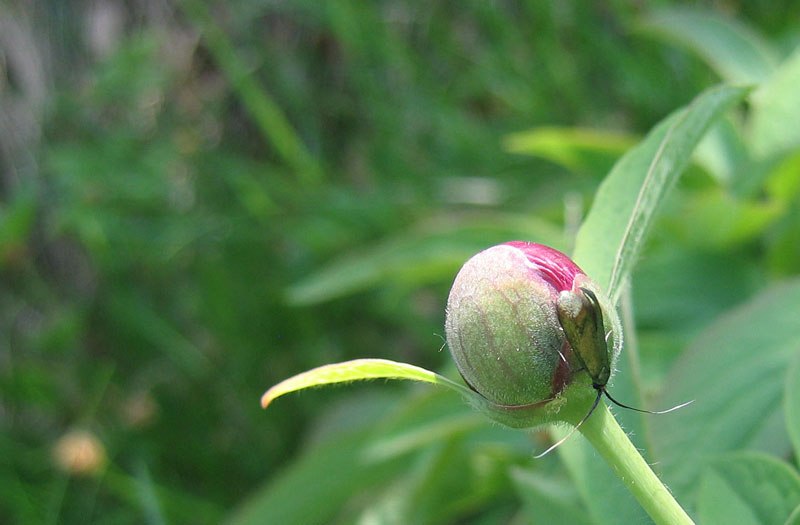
x: 581, y: 318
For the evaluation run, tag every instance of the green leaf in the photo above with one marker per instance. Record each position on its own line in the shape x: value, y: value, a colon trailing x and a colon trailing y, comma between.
x: 317, y: 486
x: 433, y: 252
x: 722, y: 152
x: 359, y: 370
x: 443, y: 484
x: 727, y: 220
x: 733, y: 50
x: 735, y: 372
x: 747, y: 488
x: 607, y: 245
x: 794, y: 517
x: 580, y: 150
x: 548, y: 499
x: 776, y: 111
x: 418, y: 437
x: 791, y: 404
x: 680, y: 288
x: 366, y: 369
x: 610, y: 238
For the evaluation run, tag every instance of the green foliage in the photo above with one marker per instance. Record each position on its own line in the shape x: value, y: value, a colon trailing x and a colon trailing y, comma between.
x: 738, y: 391
x: 230, y: 193
x: 359, y: 369
x: 734, y: 50
x: 791, y: 404
x: 608, y: 243
x: 748, y: 488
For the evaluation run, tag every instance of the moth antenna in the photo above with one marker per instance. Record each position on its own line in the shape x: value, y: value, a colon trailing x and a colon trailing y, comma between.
x: 562, y: 440
x: 676, y: 407
x: 444, y: 341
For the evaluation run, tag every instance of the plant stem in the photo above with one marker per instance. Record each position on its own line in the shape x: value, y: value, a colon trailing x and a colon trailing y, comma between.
x: 605, y: 434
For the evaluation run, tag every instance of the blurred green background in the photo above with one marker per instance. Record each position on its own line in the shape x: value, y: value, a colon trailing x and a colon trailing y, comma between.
x: 199, y: 199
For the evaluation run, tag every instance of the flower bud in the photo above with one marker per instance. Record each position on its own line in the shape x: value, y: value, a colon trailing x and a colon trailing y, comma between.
x: 503, y: 326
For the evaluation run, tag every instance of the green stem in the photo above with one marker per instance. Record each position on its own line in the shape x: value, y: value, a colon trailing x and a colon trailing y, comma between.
x: 605, y: 434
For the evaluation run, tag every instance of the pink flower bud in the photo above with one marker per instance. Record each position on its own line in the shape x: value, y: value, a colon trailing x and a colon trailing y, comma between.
x: 503, y: 327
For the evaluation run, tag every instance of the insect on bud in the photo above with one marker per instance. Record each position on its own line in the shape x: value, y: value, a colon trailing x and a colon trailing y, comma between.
x: 504, y: 327
x: 523, y: 323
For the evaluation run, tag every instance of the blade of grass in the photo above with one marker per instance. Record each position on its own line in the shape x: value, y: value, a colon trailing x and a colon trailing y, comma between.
x: 146, y: 492
x: 266, y: 113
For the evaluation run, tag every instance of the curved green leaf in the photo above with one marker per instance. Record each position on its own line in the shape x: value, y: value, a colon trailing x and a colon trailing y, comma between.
x: 732, y: 49
x: 747, y: 488
x: 610, y: 238
x: 359, y: 370
x: 608, y: 243
x: 365, y: 369
x: 735, y: 372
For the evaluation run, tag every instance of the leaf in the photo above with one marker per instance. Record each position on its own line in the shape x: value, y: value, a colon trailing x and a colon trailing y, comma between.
x: 580, y: 150
x: 794, y: 517
x: 434, y: 251
x: 735, y: 372
x: 684, y: 288
x: 318, y: 483
x: 607, y: 245
x: 791, y: 404
x: 367, y: 458
x: 359, y: 369
x: 548, y: 499
x: 747, y: 488
x: 365, y: 369
x: 722, y: 152
x: 610, y: 238
x: 443, y: 485
x: 733, y: 50
x: 421, y: 436
x: 776, y: 111
x: 727, y: 220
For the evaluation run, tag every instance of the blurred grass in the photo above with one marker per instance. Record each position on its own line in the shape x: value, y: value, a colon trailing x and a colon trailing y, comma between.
x: 174, y: 172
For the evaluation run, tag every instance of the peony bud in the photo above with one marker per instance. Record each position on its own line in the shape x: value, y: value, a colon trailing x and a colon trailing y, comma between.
x: 506, y: 331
